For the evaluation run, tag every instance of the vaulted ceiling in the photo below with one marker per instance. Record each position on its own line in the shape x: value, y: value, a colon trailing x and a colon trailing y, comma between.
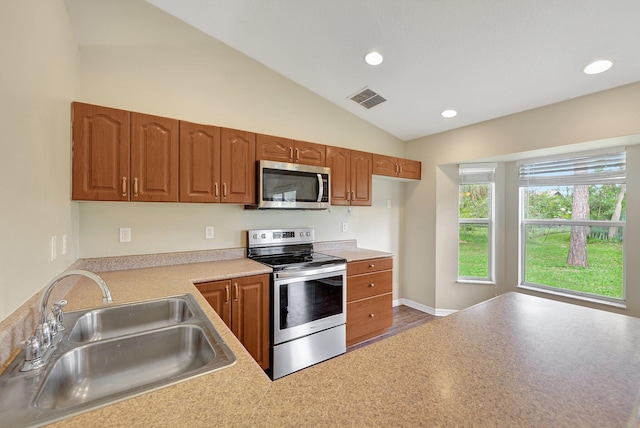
x: 482, y: 58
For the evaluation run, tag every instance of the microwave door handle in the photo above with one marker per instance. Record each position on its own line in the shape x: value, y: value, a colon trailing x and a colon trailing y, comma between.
x: 321, y: 188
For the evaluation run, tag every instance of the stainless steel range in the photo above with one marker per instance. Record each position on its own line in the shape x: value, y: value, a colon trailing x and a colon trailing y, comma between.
x: 308, y: 298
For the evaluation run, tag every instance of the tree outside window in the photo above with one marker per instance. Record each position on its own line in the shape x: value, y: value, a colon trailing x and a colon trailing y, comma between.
x: 572, y: 228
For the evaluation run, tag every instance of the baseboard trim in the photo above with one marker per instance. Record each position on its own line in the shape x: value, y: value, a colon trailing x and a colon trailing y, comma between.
x: 423, y: 308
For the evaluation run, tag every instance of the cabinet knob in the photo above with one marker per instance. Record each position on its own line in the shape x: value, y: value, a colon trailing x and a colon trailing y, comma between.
x: 371, y: 285
x: 371, y: 315
x: 372, y: 266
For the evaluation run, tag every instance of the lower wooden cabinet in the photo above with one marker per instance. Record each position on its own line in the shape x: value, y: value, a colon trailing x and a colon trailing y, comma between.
x: 369, y: 299
x: 243, y: 304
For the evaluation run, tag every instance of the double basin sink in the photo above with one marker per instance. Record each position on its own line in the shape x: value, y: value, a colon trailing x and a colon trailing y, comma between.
x: 113, y: 353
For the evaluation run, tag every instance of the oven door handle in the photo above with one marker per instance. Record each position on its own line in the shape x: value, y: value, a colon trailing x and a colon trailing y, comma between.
x: 303, y: 273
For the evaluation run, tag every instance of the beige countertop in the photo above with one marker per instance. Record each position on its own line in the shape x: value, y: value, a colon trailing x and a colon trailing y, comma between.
x: 515, y: 360
x: 354, y: 254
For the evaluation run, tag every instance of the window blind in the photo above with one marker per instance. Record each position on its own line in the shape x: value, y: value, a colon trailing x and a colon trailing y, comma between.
x: 598, y: 168
x: 477, y: 173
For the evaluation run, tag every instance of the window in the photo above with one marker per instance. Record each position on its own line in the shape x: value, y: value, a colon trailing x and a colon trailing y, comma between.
x: 572, y: 221
x: 475, y: 222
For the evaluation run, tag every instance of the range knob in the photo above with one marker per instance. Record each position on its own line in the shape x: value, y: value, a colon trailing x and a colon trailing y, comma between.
x: 308, y: 233
x: 255, y: 236
x: 263, y: 236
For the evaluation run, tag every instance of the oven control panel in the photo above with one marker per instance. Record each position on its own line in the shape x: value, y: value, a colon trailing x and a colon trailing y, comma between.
x: 262, y: 237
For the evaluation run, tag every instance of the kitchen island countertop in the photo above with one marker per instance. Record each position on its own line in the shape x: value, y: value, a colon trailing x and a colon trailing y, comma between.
x: 516, y: 360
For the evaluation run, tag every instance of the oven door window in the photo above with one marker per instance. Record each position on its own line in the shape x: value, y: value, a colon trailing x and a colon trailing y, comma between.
x: 305, y: 306
x: 289, y: 186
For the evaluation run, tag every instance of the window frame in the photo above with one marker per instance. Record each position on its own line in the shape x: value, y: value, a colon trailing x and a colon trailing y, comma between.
x: 524, y: 222
x: 481, y: 173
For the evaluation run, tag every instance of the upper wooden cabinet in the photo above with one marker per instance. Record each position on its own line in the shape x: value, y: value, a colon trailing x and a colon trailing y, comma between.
x: 101, y: 153
x: 350, y: 176
x: 396, y: 167
x: 126, y: 156
x: 199, y: 163
x: 154, y: 158
x: 123, y: 156
x: 282, y: 149
x: 237, y: 166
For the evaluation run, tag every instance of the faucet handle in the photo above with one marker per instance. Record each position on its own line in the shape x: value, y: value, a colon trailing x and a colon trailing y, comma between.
x: 32, y: 349
x: 57, y: 312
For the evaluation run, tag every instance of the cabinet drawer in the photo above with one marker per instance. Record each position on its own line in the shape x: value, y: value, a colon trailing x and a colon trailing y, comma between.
x: 372, y: 265
x: 368, y: 316
x: 369, y: 285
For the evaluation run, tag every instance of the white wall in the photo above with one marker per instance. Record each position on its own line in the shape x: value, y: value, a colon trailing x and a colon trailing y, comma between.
x: 37, y: 82
x: 608, y: 118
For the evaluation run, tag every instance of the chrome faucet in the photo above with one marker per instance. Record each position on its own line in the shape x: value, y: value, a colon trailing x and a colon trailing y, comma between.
x: 37, y: 345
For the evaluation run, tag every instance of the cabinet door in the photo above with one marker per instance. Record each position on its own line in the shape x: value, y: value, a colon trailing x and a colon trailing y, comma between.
x: 368, y: 318
x: 410, y: 169
x: 199, y: 163
x: 154, y: 158
x: 250, y: 315
x: 100, y: 153
x: 385, y: 165
x: 338, y: 160
x: 361, y: 178
x: 218, y: 294
x: 238, y: 166
x: 273, y: 148
x: 307, y: 153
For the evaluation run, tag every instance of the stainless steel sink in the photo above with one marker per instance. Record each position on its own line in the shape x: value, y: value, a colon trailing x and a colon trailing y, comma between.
x: 102, y: 370
x: 111, y: 354
x: 113, y: 321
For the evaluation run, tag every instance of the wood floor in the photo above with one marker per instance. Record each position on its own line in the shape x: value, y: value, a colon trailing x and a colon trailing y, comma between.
x: 404, y: 318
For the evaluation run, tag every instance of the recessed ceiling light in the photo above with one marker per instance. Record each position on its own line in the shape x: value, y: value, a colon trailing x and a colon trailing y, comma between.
x: 373, y: 58
x: 599, y: 66
x: 449, y: 113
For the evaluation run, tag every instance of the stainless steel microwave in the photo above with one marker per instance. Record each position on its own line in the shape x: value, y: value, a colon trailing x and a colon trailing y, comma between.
x: 293, y: 186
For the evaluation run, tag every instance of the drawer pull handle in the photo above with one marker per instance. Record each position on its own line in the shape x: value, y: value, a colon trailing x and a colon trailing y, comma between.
x: 372, y: 285
x: 372, y: 266
x: 371, y: 315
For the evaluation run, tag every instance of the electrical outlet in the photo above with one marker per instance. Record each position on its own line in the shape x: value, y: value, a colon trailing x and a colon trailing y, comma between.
x: 344, y: 227
x: 208, y: 232
x: 53, y: 248
x: 64, y: 244
x: 125, y: 234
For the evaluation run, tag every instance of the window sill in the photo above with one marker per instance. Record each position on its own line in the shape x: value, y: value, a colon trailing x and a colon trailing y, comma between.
x: 616, y: 304
x: 475, y: 281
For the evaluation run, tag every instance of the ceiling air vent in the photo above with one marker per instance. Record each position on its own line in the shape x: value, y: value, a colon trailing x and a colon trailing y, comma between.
x: 368, y: 98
